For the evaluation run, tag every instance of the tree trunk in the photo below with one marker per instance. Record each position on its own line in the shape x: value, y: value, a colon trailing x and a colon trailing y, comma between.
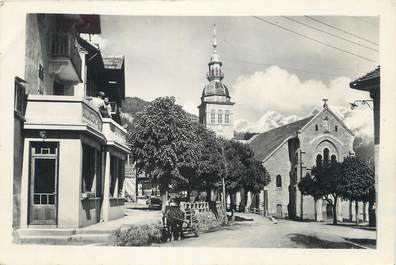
x: 350, y: 211
x: 164, y: 198
x: 364, y: 212
x: 233, y: 200
x: 315, y: 211
x: 372, y: 215
x: 357, y: 212
x: 188, y: 195
x: 335, y: 211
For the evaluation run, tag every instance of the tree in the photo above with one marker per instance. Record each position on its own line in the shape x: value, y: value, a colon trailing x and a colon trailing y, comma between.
x: 210, y: 166
x: 243, y: 171
x: 163, y: 144
x: 357, y: 182
x: 327, y: 181
x: 309, y: 186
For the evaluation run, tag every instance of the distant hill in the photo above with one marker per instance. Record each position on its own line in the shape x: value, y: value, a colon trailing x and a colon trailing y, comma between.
x: 132, y: 105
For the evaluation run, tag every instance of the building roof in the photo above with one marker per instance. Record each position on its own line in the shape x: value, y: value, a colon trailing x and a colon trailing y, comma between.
x: 215, y: 88
x: 267, y: 142
x: 113, y: 62
x: 367, y: 82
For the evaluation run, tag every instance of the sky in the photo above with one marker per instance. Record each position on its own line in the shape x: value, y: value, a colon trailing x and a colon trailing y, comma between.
x: 274, y: 76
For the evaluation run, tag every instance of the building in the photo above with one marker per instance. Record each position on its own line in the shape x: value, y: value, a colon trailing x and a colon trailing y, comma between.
x: 216, y: 108
x: 371, y: 83
x: 70, y: 149
x: 289, y: 152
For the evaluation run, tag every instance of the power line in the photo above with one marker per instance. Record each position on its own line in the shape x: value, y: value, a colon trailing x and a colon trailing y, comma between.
x: 282, y: 66
x: 341, y: 30
x: 315, y: 40
x: 331, y: 34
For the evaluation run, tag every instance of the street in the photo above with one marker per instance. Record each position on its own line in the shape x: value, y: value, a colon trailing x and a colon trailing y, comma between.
x: 262, y: 233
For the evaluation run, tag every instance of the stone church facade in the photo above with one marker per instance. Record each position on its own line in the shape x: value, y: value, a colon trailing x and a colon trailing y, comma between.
x: 216, y: 108
x: 289, y: 152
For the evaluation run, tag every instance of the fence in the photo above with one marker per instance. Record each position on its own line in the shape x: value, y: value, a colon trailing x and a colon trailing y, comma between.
x: 197, y: 206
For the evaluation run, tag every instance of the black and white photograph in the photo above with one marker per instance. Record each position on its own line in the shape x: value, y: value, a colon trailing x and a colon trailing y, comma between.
x: 196, y: 131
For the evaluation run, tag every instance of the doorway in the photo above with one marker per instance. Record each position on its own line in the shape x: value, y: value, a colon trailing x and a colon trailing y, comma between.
x: 279, y: 210
x: 43, y: 186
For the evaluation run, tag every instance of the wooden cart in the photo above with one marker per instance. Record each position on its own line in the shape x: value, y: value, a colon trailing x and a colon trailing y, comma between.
x: 179, y: 223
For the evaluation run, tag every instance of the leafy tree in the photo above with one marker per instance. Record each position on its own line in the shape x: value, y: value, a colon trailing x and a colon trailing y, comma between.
x: 309, y: 186
x: 327, y: 181
x: 357, y: 182
x: 244, y: 173
x: 163, y: 144
x: 210, y: 164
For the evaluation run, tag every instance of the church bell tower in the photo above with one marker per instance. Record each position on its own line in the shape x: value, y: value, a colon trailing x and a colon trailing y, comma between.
x: 216, y: 108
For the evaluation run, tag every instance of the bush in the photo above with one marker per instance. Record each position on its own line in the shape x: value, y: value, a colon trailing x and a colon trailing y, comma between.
x: 137, y: 234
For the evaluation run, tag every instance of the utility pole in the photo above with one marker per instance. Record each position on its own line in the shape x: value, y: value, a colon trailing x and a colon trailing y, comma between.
x: 223, y: 181
x: 301, y: 198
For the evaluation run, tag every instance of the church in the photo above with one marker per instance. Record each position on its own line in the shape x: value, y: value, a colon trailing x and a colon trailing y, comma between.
x: 288, y: 152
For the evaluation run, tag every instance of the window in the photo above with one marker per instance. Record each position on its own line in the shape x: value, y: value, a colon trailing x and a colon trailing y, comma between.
x: 326, y: 155
x: 316, y: 127
x: 278, y: 181
x: 333, y: 159
x: 113, y: 175
x: 336, y: 128
x: 319, y: 160
x: 220, y: 117
x: 212, y: 116
x: 227, y: 117
x: 88, y: 169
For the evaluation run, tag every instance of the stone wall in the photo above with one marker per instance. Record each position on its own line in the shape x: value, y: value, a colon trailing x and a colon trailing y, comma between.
x: 278, y: 164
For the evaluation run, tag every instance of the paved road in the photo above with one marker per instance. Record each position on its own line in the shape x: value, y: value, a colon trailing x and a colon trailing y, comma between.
x: 262, y: 233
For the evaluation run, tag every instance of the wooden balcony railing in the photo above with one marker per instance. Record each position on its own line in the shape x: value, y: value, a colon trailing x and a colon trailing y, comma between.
x: 63, y: 45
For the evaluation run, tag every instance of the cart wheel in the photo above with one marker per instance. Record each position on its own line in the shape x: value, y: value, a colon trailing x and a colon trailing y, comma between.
x: 196, y: 230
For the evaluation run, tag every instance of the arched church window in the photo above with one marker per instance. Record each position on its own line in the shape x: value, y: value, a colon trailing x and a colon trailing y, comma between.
x: 333, y: 159
x: 316, y: 127
x: 336, y: 128
x: 220, y: 117
x: 326, y: 155
x: 319, y: 160
x: 278, y: 181
x: 212, y: 116
x: 227, y: 117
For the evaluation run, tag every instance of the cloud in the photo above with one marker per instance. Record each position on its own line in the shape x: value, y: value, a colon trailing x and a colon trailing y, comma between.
x: 279, y: 97
x: 277, y: 89
x: 271, y: 119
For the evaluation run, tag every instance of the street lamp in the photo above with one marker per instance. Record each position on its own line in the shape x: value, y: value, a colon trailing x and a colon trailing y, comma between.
x: 363, y: 102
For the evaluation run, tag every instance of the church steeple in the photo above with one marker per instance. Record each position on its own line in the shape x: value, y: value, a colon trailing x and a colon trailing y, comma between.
x: 215, y: 72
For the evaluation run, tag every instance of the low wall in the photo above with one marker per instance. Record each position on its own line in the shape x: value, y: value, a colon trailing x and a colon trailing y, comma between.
x: 117, y: 208
x: 89, y: 211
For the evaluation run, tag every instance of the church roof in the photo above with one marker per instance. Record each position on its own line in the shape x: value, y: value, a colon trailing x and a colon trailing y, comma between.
x: 267, y: 142
x: 215, y: 88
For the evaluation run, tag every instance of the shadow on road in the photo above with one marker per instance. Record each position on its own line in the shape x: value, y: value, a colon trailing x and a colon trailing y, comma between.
x: 370, y: 243
x: 308, y: 241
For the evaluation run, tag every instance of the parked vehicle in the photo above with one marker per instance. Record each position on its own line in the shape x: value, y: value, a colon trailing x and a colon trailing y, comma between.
x: 154, y: 202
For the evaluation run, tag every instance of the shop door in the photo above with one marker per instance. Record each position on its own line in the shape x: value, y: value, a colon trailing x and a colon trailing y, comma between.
x: 43, y: 183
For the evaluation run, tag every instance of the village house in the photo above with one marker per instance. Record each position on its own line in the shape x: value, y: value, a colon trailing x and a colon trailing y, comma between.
x: 69, y: 146
x: 289, y: 152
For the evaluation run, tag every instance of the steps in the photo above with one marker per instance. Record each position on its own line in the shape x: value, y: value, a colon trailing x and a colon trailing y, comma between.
x: 57, y: 236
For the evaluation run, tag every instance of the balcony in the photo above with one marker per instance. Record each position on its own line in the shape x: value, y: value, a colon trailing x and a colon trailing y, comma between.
x: 64, y: 58
x: 114, y: 132
x: 48, y: 112
x: 61, y: 112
